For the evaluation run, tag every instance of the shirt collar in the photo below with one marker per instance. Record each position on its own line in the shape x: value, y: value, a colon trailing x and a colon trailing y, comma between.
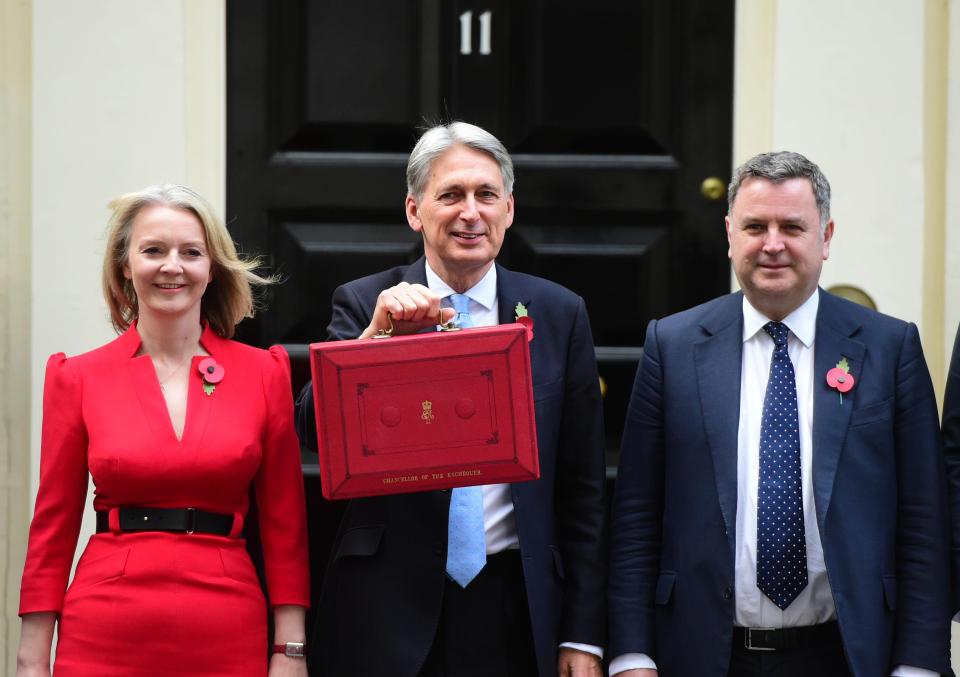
x: 802, y: 322
x: 483, y: 292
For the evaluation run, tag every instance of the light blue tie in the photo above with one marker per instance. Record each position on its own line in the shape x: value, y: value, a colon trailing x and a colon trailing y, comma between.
x: 461, y: 303
x: 466, y: 544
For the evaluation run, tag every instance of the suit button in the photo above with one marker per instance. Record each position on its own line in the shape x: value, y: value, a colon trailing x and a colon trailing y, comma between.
x: 727, y: 592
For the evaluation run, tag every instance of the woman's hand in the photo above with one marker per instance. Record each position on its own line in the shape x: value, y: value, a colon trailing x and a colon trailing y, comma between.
x: 36, y: 670
x: 284, y: 666
x: 288, y: 626
x: 36, y: 637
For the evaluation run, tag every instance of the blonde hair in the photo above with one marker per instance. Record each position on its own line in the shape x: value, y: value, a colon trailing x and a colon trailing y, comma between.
x: 229, y: 297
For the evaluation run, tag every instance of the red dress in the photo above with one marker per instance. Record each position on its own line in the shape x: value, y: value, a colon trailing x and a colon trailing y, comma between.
x: 162, y: 603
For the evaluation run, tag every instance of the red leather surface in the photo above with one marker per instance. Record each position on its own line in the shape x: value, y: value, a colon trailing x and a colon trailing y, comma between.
x: 427, y: 411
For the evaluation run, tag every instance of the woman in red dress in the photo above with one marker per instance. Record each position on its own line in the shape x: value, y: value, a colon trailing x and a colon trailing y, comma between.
x: 174, y: 422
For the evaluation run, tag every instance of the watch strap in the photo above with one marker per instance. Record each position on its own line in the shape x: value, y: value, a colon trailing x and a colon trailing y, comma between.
x: 291, y: 649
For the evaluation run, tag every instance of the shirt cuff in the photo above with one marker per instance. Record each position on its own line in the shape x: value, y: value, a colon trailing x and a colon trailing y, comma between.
x: 634, y: 661
x: 910, y: 671
x: 589, y: 648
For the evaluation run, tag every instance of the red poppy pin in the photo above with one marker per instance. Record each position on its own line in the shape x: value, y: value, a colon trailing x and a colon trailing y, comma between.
x: 840, y: 378
x: 524, y: 319
x: 212, y: 374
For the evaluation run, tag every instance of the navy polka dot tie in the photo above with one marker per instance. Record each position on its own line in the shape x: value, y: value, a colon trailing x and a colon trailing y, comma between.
x: 781, y: 540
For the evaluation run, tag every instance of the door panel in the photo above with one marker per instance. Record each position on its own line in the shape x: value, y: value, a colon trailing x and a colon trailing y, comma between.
x: 323, y: 256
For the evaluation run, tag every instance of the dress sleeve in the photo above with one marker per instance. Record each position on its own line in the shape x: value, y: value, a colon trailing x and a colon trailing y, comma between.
x: 62, y: 491
x: 279, y: 487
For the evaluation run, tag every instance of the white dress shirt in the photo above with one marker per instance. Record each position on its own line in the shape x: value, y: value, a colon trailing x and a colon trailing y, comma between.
x: 499, y: 522
x: 814, y: 604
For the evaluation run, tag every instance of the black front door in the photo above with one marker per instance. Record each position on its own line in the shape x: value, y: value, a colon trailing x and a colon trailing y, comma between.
x: 615, y: 114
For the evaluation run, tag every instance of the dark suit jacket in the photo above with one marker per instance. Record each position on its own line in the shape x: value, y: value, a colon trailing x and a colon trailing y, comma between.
x: 878, y: 482
x: 383, y: 589
x: 951, y: 450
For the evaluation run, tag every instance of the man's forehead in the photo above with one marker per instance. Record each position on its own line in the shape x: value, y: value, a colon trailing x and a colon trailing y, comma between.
x: 456, y: 180
x: 759, y: 192
x: 459, y: 161
x: 765, y: 216
x: 795, y: 184
x: 463, y: 179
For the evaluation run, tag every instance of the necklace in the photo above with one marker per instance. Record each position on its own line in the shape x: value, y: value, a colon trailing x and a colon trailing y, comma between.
x: 176, y: 369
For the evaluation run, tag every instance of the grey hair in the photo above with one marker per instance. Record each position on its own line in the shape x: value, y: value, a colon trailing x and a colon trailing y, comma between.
x: 777, y: 167
x: 438, y: 140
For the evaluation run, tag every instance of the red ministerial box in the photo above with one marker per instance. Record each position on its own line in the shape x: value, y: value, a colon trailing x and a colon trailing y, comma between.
x: 425, y: 411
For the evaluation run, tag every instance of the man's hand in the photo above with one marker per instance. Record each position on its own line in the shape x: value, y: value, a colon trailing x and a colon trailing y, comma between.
x: 574, y: 663
x: 413, y: 307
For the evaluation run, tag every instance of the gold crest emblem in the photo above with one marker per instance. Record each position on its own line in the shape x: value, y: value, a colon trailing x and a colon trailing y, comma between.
x: 427, y: 415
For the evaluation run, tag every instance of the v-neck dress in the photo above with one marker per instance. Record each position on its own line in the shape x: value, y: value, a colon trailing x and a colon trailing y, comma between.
x: 163, y: 603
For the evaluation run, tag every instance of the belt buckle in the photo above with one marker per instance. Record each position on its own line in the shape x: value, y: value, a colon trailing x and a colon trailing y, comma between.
x: 748, y: 639
x: 191, y: 520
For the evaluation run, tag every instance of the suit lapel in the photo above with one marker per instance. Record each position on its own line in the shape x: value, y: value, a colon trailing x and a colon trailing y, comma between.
x: 718, y: 358
x: 508, y: 296
x: 416, y: 272
x: 830, y: 418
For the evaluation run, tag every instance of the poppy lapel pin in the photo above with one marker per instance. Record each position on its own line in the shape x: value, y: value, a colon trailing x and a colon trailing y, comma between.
x: 840, y: 378
x: 212, y: 374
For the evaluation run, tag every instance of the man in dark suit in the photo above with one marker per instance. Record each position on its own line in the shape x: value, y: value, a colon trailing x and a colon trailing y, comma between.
x: 396, y: 600
x: 951, y: 452
x: 780, y: 505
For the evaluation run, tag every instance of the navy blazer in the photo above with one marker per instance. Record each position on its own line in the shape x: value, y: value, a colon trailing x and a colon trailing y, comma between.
x: 383, y: 588
x: 951, y: 451
x: 878, y: 483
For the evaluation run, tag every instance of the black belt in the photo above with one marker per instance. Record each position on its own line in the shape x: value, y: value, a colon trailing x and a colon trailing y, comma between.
x: 187, y: 520
x: 772, y: 639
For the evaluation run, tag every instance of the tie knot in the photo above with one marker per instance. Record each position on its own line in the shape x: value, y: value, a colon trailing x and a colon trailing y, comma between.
x: 778, y: 332
x: 461, y: 303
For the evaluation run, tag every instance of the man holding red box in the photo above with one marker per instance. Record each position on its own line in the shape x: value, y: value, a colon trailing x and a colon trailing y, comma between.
x: 502, y: 579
